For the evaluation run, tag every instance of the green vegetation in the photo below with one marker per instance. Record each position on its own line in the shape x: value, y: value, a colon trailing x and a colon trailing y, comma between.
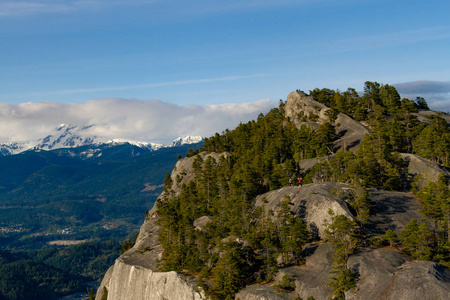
x: 51, y: 195
x: 286, y: 285
x: 429, y: 239
x: 23, y: 278
x: 342, y: 233
x: 44, y: 193
x: 53, y: 271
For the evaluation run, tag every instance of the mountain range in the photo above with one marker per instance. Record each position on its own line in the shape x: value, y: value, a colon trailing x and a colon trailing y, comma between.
x: 73, y: 136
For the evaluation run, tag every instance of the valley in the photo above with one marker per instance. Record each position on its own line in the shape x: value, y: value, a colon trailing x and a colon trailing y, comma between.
x: 65, y: 210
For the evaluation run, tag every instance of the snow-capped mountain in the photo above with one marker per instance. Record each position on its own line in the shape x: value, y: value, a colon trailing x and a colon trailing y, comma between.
x: 73, y: 136
x: 67, y: 136
x: 186, y: 140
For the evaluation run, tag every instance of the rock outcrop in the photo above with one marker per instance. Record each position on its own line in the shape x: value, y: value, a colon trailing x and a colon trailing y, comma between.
x: 391, y: 210
x: 302, y: 109
x: 310, y: 202
x: 129, y: 282
x: 386, y: 274
x: 310, y: 279
x: 381, y: 274
x: 419, y: 165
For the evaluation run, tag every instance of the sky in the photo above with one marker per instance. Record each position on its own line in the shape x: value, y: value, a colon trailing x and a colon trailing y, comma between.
x: 158, y: 69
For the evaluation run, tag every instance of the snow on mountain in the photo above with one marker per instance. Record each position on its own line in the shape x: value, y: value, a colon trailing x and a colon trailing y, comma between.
x: 151, y: 146
x: 72, y: 136
x: 185, y: 140
x: 67, y: 136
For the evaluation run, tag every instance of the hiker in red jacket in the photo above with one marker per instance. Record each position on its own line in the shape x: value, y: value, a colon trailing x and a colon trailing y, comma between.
x: 300, y: 182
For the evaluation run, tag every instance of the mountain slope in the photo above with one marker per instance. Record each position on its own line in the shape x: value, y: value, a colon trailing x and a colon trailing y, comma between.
x: 258, y: 229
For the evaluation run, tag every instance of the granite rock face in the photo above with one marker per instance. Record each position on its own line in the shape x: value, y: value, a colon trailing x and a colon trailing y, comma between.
x: 129, y: 282
x: 382, y: 274
x: 419, y: 165
x: 310, y: 202
x: 310, y: 279
x: 386, y: 274
x: 300, y: 107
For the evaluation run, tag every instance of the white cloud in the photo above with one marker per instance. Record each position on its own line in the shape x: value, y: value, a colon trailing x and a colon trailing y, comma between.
x: 150, y: 120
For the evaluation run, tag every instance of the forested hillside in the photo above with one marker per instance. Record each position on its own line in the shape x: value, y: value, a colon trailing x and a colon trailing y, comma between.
x: 243, y: 244
x: 63, y: 218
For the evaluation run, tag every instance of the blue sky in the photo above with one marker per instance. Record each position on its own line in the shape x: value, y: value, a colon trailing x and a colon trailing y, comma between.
x: 207, y: 52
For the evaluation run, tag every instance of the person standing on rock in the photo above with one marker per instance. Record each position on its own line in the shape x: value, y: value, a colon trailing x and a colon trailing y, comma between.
x: 300, y: 182
x: 290, y: 182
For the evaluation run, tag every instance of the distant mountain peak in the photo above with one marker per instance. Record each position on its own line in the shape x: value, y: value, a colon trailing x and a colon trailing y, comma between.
x: 186, y: 140
x: 67, y: 136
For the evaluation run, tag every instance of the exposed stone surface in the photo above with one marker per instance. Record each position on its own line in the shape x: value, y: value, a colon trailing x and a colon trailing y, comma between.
x: 130, y: 282
x: 311, y: 202
x: 419, y: 165
x: 300, y: 105
x: 201, y: 222
x: 263, y: 292
x: 382, y: 274
x: 391, y: 210
x: 423, y: 115
x: 310, y: 279
x: 183, y: 171
x: 386, y: 274
x: 375, y: 268
x: 420, y: 280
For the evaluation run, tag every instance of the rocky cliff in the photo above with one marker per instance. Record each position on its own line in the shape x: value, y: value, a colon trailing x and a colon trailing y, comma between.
x: 135, y: 275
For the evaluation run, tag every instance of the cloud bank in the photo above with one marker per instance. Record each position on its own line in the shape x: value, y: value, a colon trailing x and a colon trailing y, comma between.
x: 151, y: 120
x: 436, y: 93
